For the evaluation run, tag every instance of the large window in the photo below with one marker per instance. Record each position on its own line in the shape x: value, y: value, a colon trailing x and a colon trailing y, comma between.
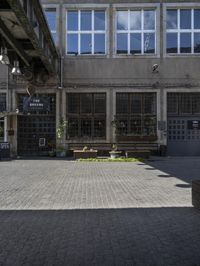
x: 1, y: 129
x: 136, y: 114
x: 2, y: 102
x: 136, y: 32
x: 50, y: 14
x: 86, y: 32
x: 183, y: 31
x: 183, y: 103
x: 86, y: 115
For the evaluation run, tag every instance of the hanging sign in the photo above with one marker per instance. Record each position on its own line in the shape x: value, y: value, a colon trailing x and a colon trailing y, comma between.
x: 36, y: 104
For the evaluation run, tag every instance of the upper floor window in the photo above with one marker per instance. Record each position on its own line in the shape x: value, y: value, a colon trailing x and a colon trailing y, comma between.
x: 136, y: 31
x: 2, y: 102
x: 183, y: 31
x: 86, y: 32
x: 50, y: 14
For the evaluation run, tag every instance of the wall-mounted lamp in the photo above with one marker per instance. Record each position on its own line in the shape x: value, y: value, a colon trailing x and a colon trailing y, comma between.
x: 16, y: 70
x: 4, y: 57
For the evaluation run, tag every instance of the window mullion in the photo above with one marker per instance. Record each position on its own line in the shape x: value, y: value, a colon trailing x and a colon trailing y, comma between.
x: 192, y: 33
x: 178, y: 31
x: 92, y: 50
x: 79, y: 30
x: 142, y: 31
x: 129, y: 37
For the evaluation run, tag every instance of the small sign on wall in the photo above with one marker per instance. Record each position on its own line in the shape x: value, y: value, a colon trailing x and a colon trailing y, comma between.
x: 194, y: 124
x: 42, y: 142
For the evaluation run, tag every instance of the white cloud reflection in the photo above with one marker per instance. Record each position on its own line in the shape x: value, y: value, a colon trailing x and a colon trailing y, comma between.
x: 122, y: 20
x: 135, y: 20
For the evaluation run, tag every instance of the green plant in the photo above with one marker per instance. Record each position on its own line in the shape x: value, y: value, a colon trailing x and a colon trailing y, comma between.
x: 127, y: 160
x: 61, y: 128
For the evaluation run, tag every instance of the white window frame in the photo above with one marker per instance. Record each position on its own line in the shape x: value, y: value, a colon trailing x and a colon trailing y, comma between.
x: 142, y: 31
x: 92, y: 31
x: 179, y: 6
x: 56, y: 7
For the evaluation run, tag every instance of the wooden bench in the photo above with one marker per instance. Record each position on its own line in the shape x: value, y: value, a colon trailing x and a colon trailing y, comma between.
x: 196, y: 193
x: 145, y: 154
x: 80, y: 154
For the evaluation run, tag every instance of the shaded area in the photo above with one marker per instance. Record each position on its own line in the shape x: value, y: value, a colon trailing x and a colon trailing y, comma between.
x: 149, y: 237
x: 184, y: 168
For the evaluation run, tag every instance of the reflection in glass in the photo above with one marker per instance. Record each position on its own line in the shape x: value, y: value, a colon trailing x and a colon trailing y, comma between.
x: 136, y: 103
x: 171, y: 19
x: 122, y: 20
x: 72, y: 20
x: 99, y: 20
x: 172, y: 45
x: 86, y: 20
x: 99, y: 43
x: 86, y: 103
x: 72, y: 43
x: 149, y: 20
x: 122, y: 43
x: 197, y: 42
x: 122, y: 103
x: 135, y: 43
x: 135, y: 20
x: 51, y: 19
x: 185, y: 43
x: 185, y: 19
x: 149, y: 43
x: 197, y: 19
x: 86, y: 43
x: 86, y: 128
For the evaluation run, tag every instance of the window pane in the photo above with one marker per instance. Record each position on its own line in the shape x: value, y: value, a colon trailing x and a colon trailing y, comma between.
x: 86, y: 20
x: 135, y: 45
x: 172, y: 45
x: 171, y: 19
x: 51, y: 19
x: 72, y: 43
x: 135, y: 126
x: 149, y: 126
x: 86, y: 103
x: 99, y: 103
x: 99, y: 20
x: 73, y: 127
x: 99, y: 128
x: 122, y: 43
x: 122, y: 103
x: 135, y: 20
x: 2, y: 102
x: 196, y: 103
x: 197, y: 18
x: 72, y: 20
x: 149, y: 104
x: 172, y: 103
x: 149, y: 43
x: 86, y: 128
x: 185, y: 19
x: 1, y: 129
x: 185, y: 43
x: 122, y: 127
x: 136, y: 104
x: 185, y: 103
x: 86, y: 43
x: 73, y: 103
x: 99, y: 43
x: 122, y: 20
x: 197, y: 42
x: 149, y: 20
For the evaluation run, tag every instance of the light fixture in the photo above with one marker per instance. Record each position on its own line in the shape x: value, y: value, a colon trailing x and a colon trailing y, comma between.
x: 4, y: 57
x: 16, y: 70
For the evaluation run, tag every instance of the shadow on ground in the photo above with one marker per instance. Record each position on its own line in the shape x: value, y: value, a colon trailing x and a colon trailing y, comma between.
x: 125, y: 237
x: 183, y: 168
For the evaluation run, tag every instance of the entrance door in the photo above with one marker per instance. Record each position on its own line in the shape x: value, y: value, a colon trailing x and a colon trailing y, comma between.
x: 36, y: 134
x: 184, y: 136
x: 183, y: 124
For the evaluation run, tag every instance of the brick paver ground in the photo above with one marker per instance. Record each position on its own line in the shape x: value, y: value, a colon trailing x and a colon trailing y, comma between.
x: 55, y: 212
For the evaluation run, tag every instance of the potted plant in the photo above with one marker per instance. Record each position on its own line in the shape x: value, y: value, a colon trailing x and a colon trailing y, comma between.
x: 114, y: 153
x: 60, y: 148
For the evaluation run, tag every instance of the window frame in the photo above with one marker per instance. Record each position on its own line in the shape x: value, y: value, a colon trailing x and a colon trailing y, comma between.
x: 57, y: 31
x: 179, y: 6
x: 86, y: 7
x: 135, y: 7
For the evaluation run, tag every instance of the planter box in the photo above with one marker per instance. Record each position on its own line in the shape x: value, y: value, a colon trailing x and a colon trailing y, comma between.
x: 136, y: 138
x: 145, y: 154
x: 80, y: 154
x: 196, y: 193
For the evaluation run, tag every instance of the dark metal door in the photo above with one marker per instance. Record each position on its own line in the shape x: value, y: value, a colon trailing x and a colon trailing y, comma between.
x: 184, y: 136
x: 36, y: 134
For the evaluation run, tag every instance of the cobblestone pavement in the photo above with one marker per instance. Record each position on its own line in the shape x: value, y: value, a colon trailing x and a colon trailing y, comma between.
x: 55, y: 212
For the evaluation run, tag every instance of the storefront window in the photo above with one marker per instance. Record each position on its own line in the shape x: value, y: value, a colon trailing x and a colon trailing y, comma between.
x: 136, y: 114
x: 86, y: 115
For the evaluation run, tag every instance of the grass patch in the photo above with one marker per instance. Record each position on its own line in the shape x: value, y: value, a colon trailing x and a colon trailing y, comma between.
x: 128, y: 160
